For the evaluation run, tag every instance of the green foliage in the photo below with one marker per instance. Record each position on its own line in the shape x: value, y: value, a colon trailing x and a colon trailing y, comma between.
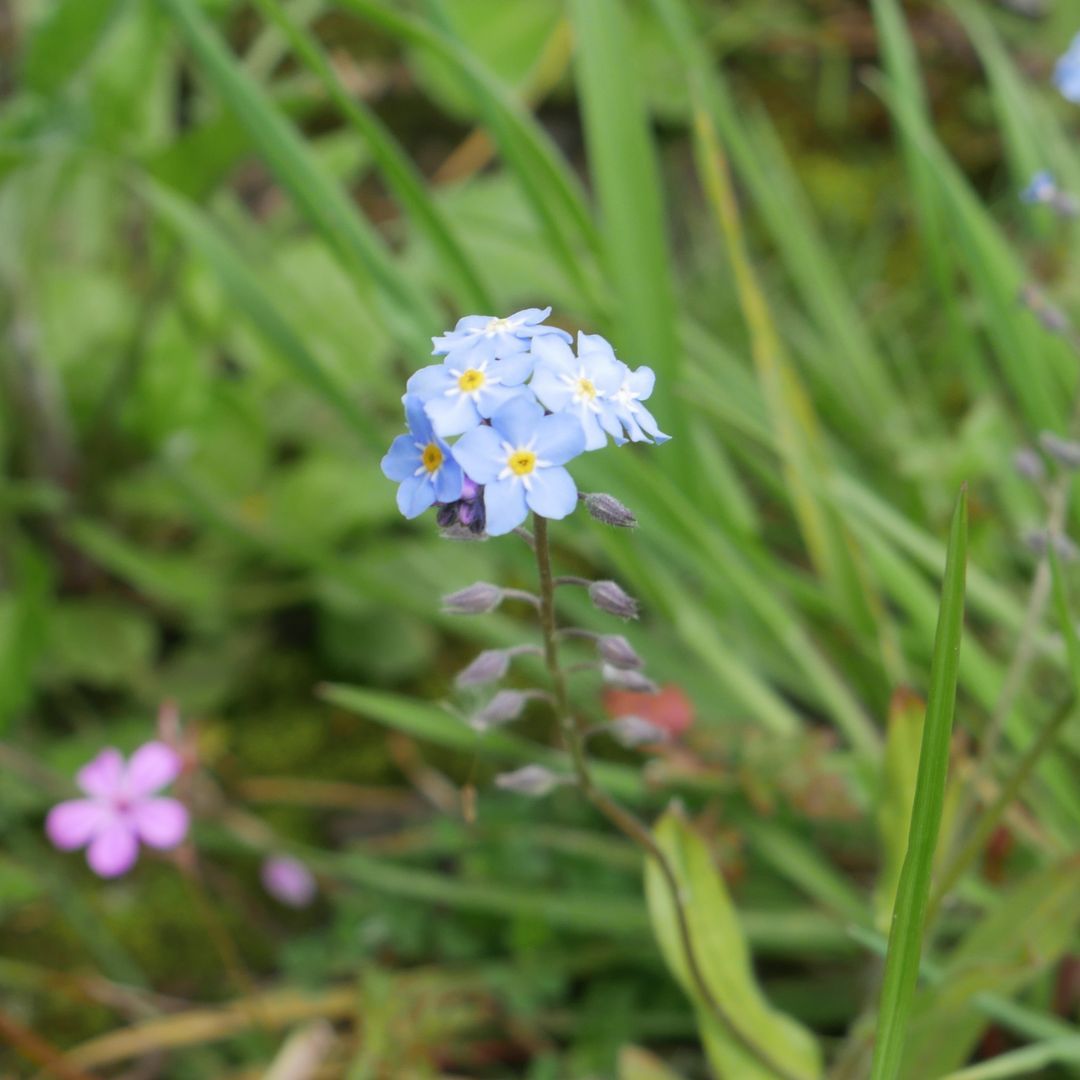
x: 227, y: 232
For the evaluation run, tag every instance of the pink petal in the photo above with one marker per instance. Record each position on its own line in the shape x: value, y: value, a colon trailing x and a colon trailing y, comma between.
x: 72, y: 824
x: 161, y: 823
x: 151, y: 767
x: 102, y: 776
x: 114, y: 850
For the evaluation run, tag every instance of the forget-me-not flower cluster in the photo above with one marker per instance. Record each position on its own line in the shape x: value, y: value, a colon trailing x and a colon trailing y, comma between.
x: 519, y: 403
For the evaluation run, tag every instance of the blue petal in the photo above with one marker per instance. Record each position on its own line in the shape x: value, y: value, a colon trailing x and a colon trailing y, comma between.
x: 548, y: 386
x: 514, y: 370
x: 415, y: 495
x: 516, y: 421
x: 479, y: 452
x: 452, y: 415
x: 590, y: 344
x: 448, y: 480
x: 530, y: 316
x: 647, y: 421
x: 553, y: 493
x: 551, y: 352
x: 642, y: 382
x: 419, y: 424
x: 559, y: 438
x: 493, y: 398
x: 589, y: 422
x: 402, y: 459
x: 504, y: 506
x: 429, y: 382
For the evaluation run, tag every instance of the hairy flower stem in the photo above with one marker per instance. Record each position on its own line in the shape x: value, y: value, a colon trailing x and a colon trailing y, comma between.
x: 624, y: 820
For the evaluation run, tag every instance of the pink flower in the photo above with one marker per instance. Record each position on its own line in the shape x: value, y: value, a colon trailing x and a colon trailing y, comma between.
x: 121, y: 809
x: 288, y: 880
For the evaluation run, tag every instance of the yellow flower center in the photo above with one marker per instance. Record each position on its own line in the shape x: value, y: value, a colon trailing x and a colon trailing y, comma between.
x: 522, y: 462
x: 586, y: 389
x: 432, y: 457
x: 470, y: 380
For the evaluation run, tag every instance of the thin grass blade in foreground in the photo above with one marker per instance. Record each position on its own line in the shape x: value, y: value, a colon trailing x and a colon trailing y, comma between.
x: 913, y: 892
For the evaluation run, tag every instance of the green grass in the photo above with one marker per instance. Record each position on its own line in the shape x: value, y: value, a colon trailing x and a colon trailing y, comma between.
x: 227, y: 233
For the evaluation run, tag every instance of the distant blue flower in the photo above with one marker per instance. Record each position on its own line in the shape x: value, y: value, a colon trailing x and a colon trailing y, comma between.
x: 519, y: 461
x: 632, y: 389
x: 457, y: 396
x: 485, y: 337
x: 422, y: 463
x: 1041, y: 189
x: 581, y: 386
x: 1067, y: 72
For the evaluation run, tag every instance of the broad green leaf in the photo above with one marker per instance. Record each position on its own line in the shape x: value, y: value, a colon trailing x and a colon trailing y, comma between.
x: 913, y: 890
x: 783, y: 1048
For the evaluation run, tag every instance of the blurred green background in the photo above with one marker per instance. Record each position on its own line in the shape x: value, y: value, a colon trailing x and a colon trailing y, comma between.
x: 227, y: 233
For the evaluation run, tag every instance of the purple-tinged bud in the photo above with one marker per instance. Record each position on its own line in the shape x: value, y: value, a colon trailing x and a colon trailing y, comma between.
x: 489, y: 666
x: 1063, y: 451
x: 1028, y: 464
x: 618, y: 652
x: 1037, y: 540
x: 633, y: 731
x: 608, y: 509
x: 473, y: 600
x: 611, y: 598
x: 628, y: 680
x: 505, y: 706
x: 532, y: 780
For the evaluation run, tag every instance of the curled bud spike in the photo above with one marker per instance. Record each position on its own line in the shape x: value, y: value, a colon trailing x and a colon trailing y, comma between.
x: 473, y: 600
x: 608, y: 509
x: 1037, y: 540
x: 1063, y: 451
x: 618, y: 652
x: 505, y: 706
x: 489, y: 666
x: 627, y: 680
x: 609, y: 597
x: 532, y: 780
x: 631, y: 731
x: 1028, y: 464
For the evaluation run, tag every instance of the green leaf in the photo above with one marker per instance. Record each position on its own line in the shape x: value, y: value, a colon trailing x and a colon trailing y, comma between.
x: 725, y: 963
x: 636, y: 1063
x: 64, y: 40
x: 913, y: 891
x: 99, y: 642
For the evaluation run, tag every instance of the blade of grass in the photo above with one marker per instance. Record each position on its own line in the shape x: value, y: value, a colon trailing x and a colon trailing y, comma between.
x: 625, y: 174
x: 913, y: 891
x: 401, y: 175
x: 1026, y: 1061
x: 409, y: 313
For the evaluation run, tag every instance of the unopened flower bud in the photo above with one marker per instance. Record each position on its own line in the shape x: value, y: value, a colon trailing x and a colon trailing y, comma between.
x: 488, y: 666
x: 627, y: 680
x: 633, y: 731
x: 1028, y: 464
x: 609, y: 597
x: 473, y: 600
x: 1063, y: 451
x: 618, y: 652
x: 532, y: 780
x: 1037, y: 540
x: 610, y: 511
x: 505, y: 706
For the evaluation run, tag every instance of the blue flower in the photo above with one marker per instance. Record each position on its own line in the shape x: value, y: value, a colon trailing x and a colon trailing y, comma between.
x: 519, y: 461
x: 579, y: 386
x: 1041, y: 189
x: 632, y: 389
x: 485, y: 337
x: 457, y: 395
x: 422, y: 463
x: 1067, y: 72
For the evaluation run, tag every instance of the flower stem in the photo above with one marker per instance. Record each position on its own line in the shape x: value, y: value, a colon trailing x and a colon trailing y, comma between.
x: 624, y: 820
